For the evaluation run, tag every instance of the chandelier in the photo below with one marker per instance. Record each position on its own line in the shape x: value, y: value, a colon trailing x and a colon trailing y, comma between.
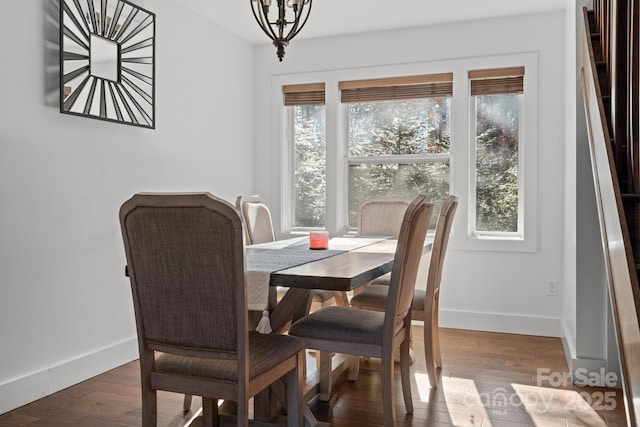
x: 281, y: 24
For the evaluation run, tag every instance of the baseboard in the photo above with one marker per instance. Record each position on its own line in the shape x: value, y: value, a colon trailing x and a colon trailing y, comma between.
x: 28, y: 388
x: 568, y: 343
x: 585, y: 370
x: 498, y: 322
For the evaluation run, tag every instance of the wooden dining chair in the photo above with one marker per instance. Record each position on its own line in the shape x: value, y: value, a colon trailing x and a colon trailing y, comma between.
x: 425, y: 301
x: 371, y: 333
x: 257, y: 220
x: 378, y: 216
x: 382, y: 216
x: 185, y: 261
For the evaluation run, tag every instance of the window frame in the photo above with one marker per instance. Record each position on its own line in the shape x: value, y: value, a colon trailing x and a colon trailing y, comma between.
x: 290, y: 207
x: 393, y: 159
x: 461, y: 162
x: 473, y: 141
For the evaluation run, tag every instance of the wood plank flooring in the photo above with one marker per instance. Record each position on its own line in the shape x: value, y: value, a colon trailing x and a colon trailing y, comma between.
x: 488, y: 379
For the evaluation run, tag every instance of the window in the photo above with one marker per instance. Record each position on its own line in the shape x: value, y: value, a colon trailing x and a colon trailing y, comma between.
x: 496, y: 99
x: 306, y: 113
x: 399, y: 137
x: 464, y: 126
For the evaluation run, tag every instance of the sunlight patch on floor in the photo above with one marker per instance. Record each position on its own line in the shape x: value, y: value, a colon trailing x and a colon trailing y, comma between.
x: 463, y: 400
x: 424, y: 388
x: 521, y: 404
x: 546, y: 405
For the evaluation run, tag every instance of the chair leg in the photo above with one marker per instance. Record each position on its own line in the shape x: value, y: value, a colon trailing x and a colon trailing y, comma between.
x: 431, y: 366
x: 149, y: 407
x: 437, y: 357
x: 210, y: 416
x: 243, y: 412
x: 317, y: 356
x: 432, y: 355
x: 294, y: 393
x: 354, y: 367
x: 412, y: 357
x: 405, y: 375
x: 187, y: 402
x: 388, y: 395
x: 325, y: 376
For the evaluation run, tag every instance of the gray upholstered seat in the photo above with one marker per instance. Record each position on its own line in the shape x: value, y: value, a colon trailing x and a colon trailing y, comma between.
x: 351, y: 326
x: 425, y: 301
x: 370, y: 333
x: 185, y: 259
x: 265, y: 353
x: 375, y: 298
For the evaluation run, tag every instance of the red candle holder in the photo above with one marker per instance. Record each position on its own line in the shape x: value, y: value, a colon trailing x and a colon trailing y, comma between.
x: 318, y: 240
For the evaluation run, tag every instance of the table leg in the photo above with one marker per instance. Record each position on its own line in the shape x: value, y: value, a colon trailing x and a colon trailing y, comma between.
x: 265, y: 406
x: 294, y: 305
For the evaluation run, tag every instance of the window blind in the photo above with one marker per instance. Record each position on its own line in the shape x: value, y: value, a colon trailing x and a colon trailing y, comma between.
x: 497, y: 81
x: 303, y: 94
x: 409, y: 87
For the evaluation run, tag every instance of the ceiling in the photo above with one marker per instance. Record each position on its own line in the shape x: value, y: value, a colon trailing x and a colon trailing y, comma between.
x: 337, y: 17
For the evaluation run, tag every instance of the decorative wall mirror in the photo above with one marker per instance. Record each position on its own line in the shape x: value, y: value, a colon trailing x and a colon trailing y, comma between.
x: 107, y: 66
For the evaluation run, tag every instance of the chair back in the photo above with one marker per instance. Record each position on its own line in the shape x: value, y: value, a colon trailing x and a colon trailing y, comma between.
x: 382, y: 216
x: 405, y: 264
x: 440, y: 243
x: 185, y: 259
x: 257, y: 220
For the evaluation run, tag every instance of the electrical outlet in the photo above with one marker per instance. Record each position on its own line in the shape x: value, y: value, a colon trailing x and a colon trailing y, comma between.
x: 552, y: 288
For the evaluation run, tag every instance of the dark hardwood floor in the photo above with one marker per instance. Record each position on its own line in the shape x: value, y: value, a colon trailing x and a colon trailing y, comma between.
x: 488, y: 379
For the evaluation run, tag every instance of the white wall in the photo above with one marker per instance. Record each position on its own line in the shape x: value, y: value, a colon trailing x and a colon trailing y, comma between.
x: 65, y: 305
x: 573, y: 95
x: 498, y: 291
x: 586, y: 318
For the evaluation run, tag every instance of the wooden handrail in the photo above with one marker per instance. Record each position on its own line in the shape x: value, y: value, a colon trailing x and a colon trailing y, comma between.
x: 620, y: 268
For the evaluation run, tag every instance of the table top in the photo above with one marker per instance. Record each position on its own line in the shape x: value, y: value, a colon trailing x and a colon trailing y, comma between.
x: 262, y: 260
x: 342, y: 272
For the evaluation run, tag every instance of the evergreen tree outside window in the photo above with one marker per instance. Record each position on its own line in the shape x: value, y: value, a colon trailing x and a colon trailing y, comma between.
x: 496, y: 99
x: 306, y: 110
x: 399, y: 137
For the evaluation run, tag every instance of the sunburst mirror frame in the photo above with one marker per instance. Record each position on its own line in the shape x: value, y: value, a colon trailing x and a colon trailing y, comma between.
x: 107, y: 66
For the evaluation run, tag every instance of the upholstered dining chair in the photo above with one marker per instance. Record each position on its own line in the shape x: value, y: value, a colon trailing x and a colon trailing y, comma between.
x: 382, y: 216
x: 257, y: 220
x: 425, y: 301
x: 370, y: 333
x: 185, y: 261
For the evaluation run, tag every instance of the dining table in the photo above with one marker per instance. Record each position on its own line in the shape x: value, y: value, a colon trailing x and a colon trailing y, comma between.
x: 348, y: 263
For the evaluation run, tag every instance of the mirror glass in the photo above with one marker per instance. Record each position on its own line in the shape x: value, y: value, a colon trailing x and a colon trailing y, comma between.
x: 107, y: 66
x: 104, y: 58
